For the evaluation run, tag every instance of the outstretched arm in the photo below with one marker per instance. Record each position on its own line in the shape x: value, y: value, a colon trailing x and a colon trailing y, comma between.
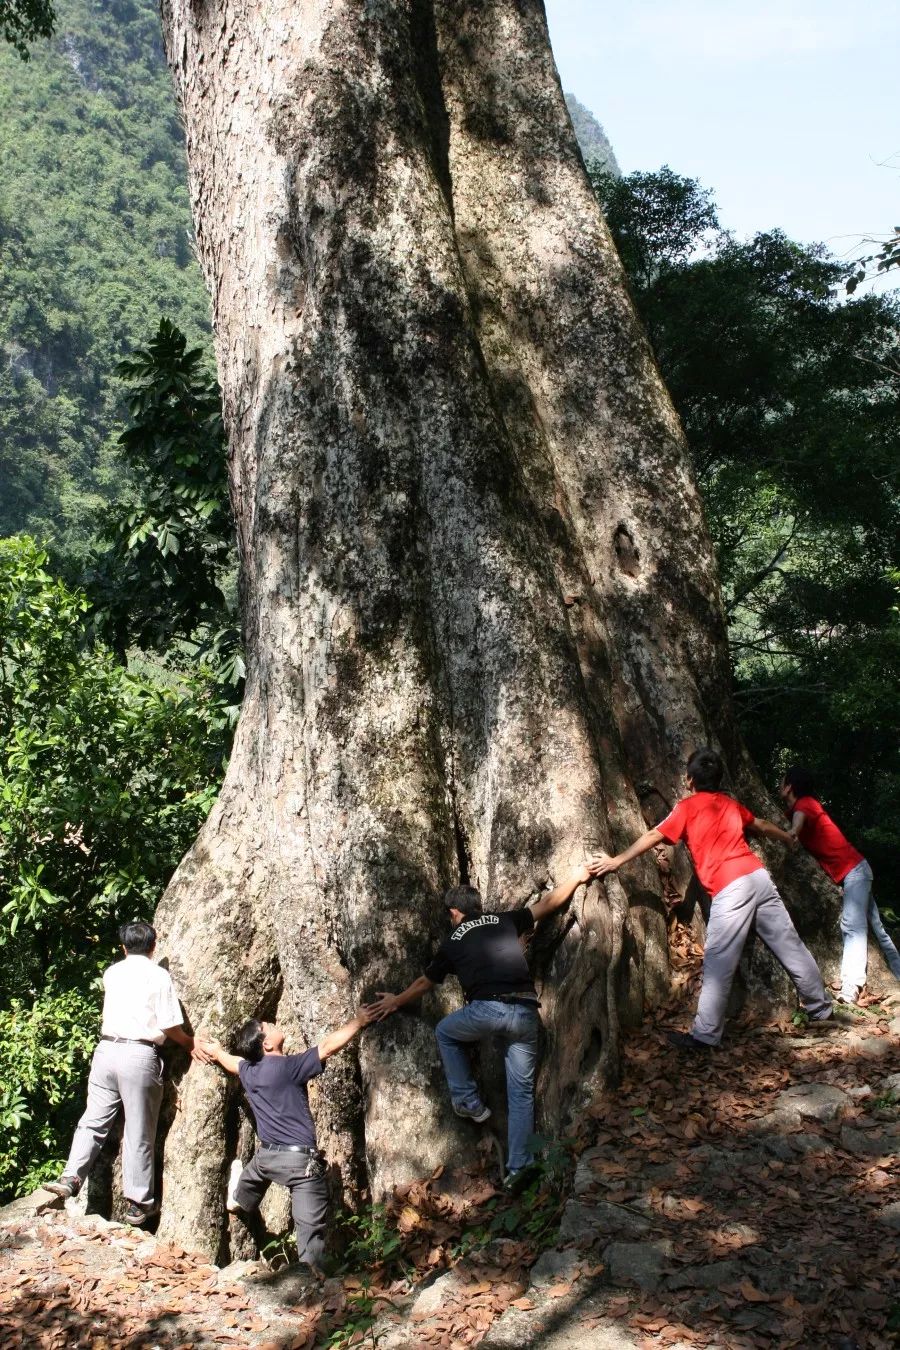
x: 563, y: 892
x: 765, y: 827
x: 336, y: 1040
x: 385, y: 1004
x: 798, y: 820
x: 605, y: 864
x: 218, y: 1055
x: 187, y: 1042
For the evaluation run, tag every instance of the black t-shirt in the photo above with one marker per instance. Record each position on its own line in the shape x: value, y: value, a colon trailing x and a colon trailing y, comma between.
x: 486, y: 956
x: 276, y: 1087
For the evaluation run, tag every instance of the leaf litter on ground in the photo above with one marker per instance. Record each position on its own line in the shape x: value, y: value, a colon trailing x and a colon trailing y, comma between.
x: 678, y: 1144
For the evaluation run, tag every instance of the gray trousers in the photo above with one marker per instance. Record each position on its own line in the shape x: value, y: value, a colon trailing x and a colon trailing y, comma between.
x: 309, y: 1197
x: 734, y: 910
x: 128, y: 1076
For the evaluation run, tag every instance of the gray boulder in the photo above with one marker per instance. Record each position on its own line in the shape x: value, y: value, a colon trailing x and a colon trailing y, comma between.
x: 877, y: 1143
x: 814, y: 1101
x: 713, y: 1276
x: 642, y: 1263
x: 581, y: 1223
x: 555, y: 1267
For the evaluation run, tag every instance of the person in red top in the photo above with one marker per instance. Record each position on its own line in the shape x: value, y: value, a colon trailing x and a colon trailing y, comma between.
x: 713, y: 826
x: 847, y: 867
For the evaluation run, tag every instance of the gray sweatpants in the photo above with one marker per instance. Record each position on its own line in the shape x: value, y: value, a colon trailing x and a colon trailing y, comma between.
x: 732, y: 913
x: 129, y: 1076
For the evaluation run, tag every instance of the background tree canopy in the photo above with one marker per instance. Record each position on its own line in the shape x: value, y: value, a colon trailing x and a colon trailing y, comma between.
x: 22, y: 21
x: 791, y: 404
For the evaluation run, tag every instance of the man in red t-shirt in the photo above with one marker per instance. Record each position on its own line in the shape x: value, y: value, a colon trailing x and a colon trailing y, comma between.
x: 713, y: 826
x: 847, y: 867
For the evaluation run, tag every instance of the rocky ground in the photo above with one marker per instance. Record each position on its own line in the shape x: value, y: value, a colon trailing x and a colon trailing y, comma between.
x: 747, y: 1198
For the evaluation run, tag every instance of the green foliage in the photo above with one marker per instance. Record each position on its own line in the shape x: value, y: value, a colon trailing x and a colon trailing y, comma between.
x: 281, y: 1250
x: 791, y: 405
x: 95, y: 241
x: 44, y: 1051
x: 872, y: 264
x: 358, y: 1326
x: 169, y: 549
x: 21, y: 21
x: 658, y: 220
x: 105, y: 779
x: 534, y: 1213
x: 373, y: 1238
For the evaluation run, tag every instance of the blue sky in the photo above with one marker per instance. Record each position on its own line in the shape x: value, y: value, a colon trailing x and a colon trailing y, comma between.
x: 785, y: 108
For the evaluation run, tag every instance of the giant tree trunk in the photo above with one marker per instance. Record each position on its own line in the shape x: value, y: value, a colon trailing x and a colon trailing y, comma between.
x: 480, y: 604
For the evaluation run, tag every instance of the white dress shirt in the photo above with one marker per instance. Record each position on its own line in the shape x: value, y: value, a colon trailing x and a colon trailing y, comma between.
x: 139, y: 1000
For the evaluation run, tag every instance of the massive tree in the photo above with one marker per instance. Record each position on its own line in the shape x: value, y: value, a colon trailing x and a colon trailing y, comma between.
x: 481, y: 614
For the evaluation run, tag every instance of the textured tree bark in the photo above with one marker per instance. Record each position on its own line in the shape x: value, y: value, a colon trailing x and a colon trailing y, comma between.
x: 481, y: 612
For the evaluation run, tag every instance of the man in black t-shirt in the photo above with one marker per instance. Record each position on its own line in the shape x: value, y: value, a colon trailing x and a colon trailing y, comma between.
x: 275, y: 1084
x: 485, y: 953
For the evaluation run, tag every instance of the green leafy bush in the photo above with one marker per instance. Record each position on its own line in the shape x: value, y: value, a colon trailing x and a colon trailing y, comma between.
x: 105, y: 779
x: 44, y: 1051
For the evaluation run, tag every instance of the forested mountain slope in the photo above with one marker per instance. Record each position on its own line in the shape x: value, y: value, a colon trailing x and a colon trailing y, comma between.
x: 95, y: 245
x: 592, y: 139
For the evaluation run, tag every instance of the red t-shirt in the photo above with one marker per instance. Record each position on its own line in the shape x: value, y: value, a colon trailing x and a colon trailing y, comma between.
x: 824, y: 840
x: 712, y: 825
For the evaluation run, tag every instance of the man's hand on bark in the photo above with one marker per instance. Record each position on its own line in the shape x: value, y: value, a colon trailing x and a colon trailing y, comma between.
x: 602, y: 864
x: 205, y: 1049
x: 382, y: 1007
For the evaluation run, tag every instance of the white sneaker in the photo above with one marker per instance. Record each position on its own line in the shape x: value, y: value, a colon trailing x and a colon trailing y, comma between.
x: 480, y: 1114
x: 234, y: 1176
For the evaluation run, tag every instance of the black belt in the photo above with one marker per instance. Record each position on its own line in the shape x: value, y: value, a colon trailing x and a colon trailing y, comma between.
x: 288, y: 1148
x: 131, y: 1040
x: 526, y: 1000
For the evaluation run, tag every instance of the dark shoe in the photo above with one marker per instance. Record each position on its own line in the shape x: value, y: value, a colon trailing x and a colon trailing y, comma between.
x: 479, y: 1115
x: 683, y: 1040
x: 137, y: 1214
x: 66, y: 1187
x: 515, y: 1182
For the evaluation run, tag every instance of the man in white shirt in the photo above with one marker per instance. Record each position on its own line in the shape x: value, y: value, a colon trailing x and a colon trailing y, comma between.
x: 140, y: 1009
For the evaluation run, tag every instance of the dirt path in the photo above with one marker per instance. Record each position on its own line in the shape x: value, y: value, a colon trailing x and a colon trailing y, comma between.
x: 747, y: 1198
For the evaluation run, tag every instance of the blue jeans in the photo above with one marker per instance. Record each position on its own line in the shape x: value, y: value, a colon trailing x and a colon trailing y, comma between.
x: 516, y: 1027
x: 859, y: 912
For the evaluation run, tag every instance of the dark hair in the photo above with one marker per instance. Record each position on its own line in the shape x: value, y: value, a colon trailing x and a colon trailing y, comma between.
x: 705, y: 769
x: 137, y: 938
x: 248, y: 1040
x: 800, y: 780
x: 464, y: 898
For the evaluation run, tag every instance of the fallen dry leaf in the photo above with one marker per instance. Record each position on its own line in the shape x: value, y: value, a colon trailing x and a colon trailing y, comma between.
x: 752, y: 1294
